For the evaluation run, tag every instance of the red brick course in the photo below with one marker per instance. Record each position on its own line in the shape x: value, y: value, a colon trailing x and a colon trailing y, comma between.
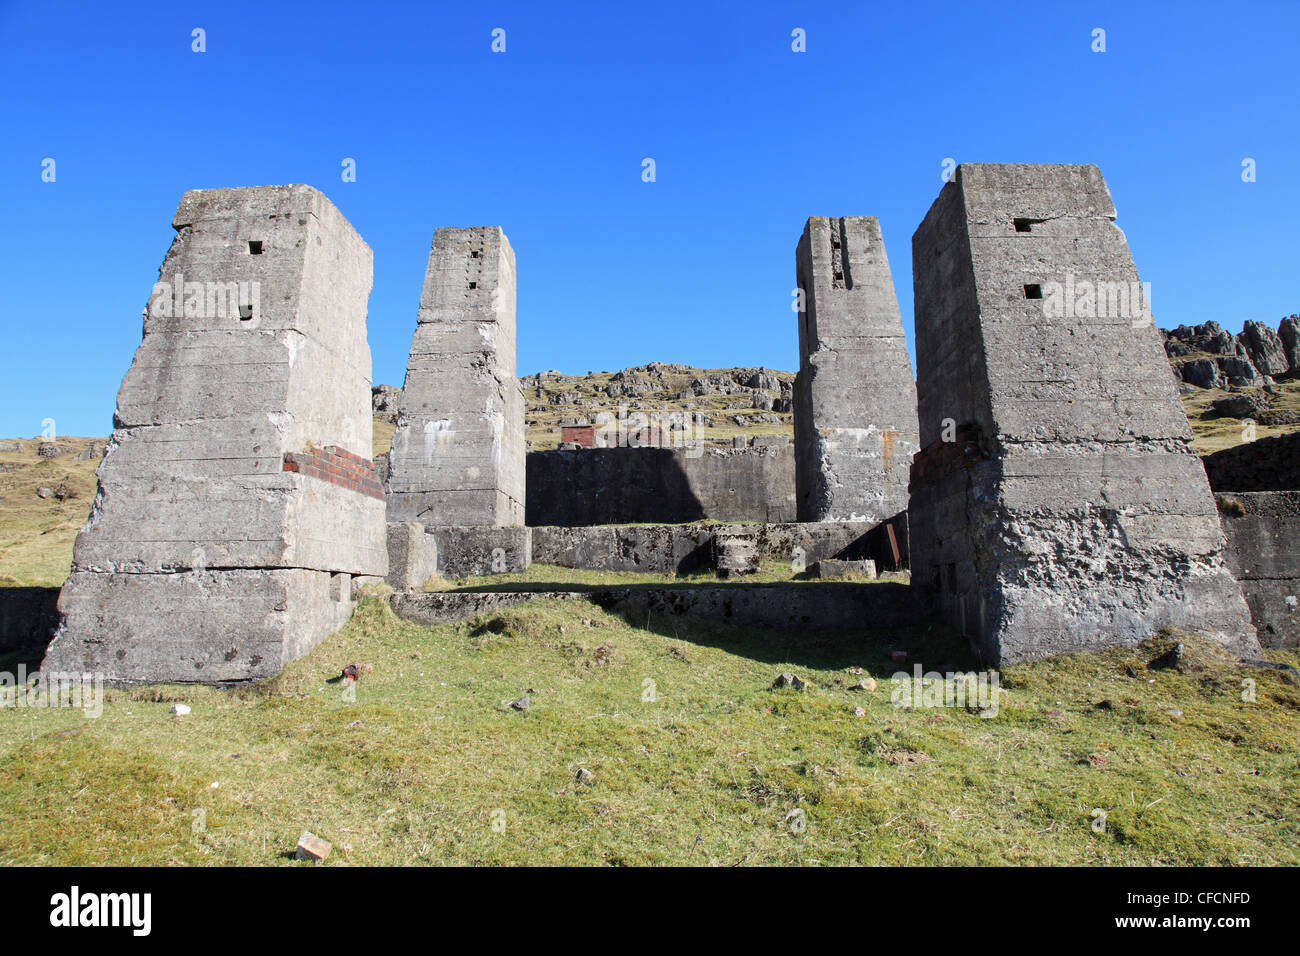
x: 940, y: 458
x: 338, y: 467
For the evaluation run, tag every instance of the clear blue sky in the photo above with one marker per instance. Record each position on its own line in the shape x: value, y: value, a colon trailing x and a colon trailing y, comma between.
x: 547, y: 140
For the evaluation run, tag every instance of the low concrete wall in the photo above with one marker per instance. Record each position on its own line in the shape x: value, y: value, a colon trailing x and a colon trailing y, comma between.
x: 776, y: 606
x: 1263, y: 530
x: 681, y: 549
x: 462, y: 552
x: 599, y: 486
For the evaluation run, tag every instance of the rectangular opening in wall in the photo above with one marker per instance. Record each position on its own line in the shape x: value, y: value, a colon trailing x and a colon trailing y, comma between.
x: 474, y: 254
x: 1022, y: 225
x: 245, y: 313
x: 1033, y: 291
x: 254, y: 247
x: 473, y: 285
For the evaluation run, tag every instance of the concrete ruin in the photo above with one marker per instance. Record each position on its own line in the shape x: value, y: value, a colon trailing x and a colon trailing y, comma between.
x: 854, y: 397
x: 458, y: 452
x: 237, y: 506
x: 1058, y: 504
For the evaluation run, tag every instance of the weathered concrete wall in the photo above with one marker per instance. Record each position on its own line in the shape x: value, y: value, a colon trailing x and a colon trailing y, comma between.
x: 681, y: 549
x: 1262, y: 530
x: 458, y: 452
x: 465, y: 552
x: 1266, y: 464
x: 412, y: 555
x: 597, y: 486
x: 854, y: 396
x: 857, y: 607
x: 237, y: 487
x: 1069, y: 512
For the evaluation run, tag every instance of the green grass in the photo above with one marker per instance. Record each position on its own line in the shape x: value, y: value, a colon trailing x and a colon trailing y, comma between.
x: 36, y: 534
x: 706, y: 770
x: 1215, y: 433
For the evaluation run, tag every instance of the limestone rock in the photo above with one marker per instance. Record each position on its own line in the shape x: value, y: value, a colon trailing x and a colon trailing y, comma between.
x: 1264, y: 348
x: 1288, y: 332
x: 1245, y: 405
x: 385, y: 401
x: 1203, y: 373
x: 1239, y: 370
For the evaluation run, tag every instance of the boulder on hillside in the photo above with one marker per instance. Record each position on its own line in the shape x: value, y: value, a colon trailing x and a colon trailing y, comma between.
x: 1245, y: 405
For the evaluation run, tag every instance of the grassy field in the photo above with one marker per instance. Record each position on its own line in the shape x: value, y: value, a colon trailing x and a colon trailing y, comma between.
x: 1215, y: 433
x: 36, y: 534
x: 692, y: 757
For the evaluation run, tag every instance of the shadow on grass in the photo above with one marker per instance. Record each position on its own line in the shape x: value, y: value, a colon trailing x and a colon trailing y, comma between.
x: 933, y: 646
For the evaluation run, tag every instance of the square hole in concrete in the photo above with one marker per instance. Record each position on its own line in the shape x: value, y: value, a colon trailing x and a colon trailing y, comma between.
x: 473, y: 285
x: 1033, y: 291
x: 254, y: 247
x: 245, y: 313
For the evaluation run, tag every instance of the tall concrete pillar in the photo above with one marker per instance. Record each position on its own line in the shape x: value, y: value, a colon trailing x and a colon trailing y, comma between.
x: 458, y: 452
x: 237, y: 500
x: 1057, y: 505
x: 854, y: 397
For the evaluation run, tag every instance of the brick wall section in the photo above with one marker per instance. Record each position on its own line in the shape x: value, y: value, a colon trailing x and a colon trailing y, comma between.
x: 584, y: 435
x: 338, y: 467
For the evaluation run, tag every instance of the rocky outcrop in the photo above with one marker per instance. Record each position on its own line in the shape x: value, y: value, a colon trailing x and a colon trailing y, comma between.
x: 1264, y: 348
x: 385, y: 400
x: 1206, y: 356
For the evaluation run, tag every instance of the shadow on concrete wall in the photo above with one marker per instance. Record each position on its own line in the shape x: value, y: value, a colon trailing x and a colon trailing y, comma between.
x: 28, y: 617
x: 886, y: 544
x: 595, y: 486
x: 935, y: 647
